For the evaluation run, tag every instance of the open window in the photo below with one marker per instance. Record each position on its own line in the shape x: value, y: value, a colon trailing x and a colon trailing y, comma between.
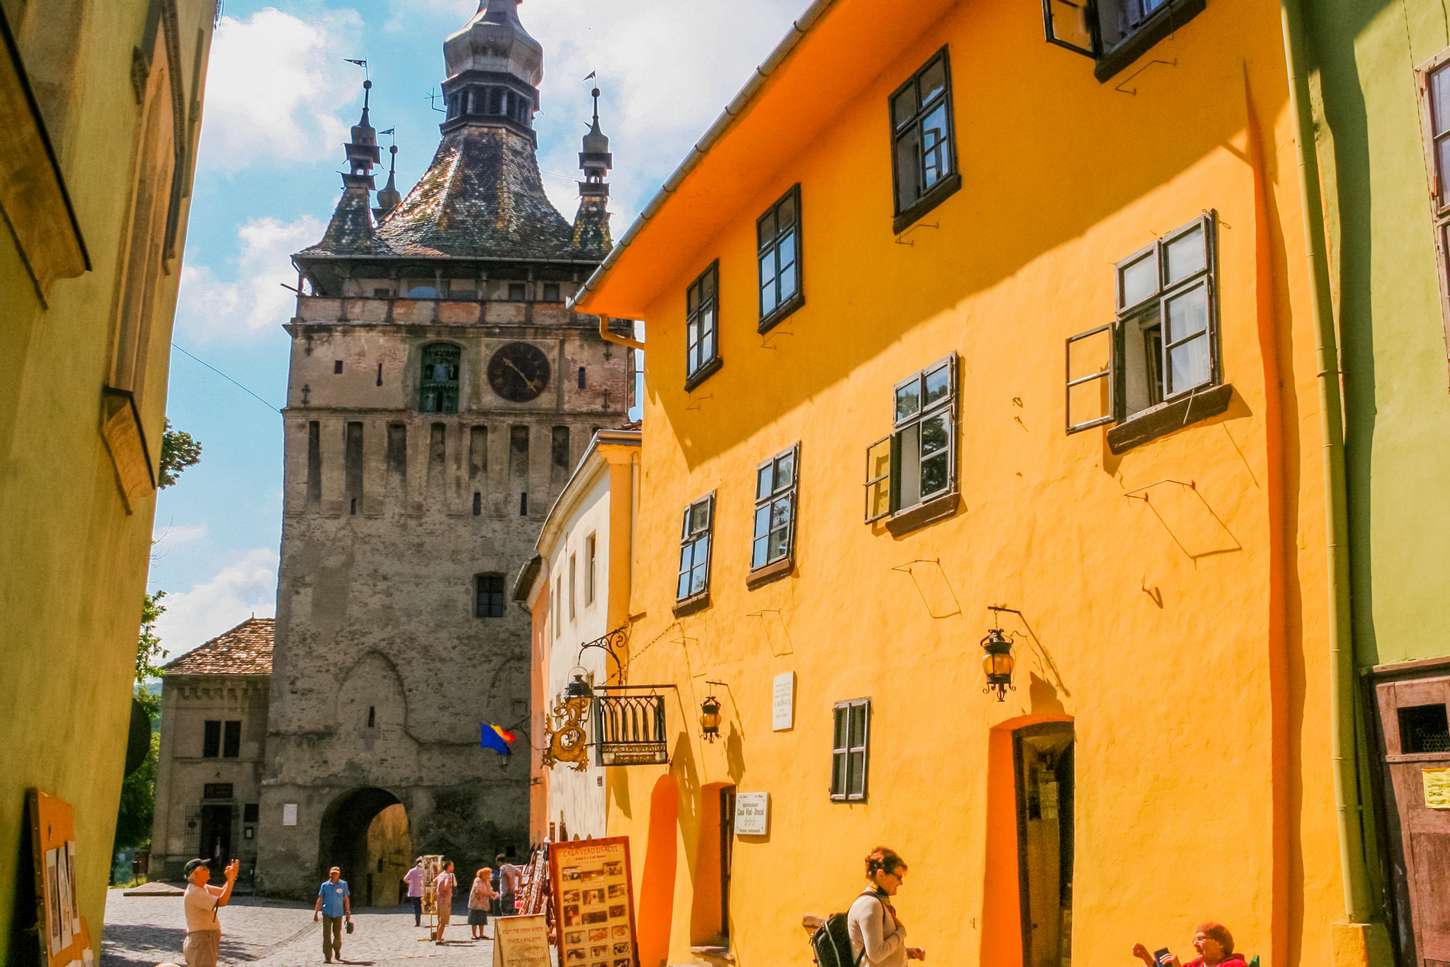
x: 915, y: 468
x: 438, y: 390
x: 694, y: 575
x: 1161, y: 352
x: 1114, y: 33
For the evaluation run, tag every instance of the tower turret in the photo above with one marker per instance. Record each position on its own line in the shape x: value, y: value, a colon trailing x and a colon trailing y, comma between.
x: 591, y: 224
x: 389, y: 197
x: 494, y: 70
x: 351, y: 228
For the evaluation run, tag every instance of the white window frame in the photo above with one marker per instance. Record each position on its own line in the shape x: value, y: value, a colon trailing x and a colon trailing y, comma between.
x: 689, y: 540
x: 843, y: 751
x: 789, y: 492
x: 887, y: 458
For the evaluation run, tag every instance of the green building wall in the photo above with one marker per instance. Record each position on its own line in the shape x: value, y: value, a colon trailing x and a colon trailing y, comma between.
x: 1384, y: 270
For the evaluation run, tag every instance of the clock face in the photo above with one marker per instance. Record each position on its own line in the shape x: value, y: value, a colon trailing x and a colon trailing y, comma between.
x: 519, y: 372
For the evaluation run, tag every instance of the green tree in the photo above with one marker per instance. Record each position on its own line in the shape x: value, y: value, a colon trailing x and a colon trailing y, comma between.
x: 138, y: 790
x: 179, y: 450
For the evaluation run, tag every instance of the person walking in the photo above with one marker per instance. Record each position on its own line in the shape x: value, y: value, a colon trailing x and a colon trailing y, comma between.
x: 334, y: 904
x: 509, y: 875
x: 414, y: 879
x: 480, y: 901
x: 443, y: 886
x: 498, y: 863
x: 878, y: 937
x: 201, y: 902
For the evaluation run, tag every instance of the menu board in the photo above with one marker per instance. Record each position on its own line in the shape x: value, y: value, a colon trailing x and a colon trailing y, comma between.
x: 521, y: 942
x: 595, y: 904
x: 65, y: 940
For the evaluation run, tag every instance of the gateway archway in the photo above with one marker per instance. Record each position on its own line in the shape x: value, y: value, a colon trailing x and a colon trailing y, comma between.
x: 366, y: 832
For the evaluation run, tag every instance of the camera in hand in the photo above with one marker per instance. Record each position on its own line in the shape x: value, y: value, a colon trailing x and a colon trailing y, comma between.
x: 1162, y: 956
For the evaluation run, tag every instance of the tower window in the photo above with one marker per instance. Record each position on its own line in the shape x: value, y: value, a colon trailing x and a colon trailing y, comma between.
x: 581, y: 377
x: 551, y: 292
x: 439, y: 386
x: 372, y: 716
x: 518, y: 292
x: 560, y: 446
x: 488, y: 596
x: 337, y: 366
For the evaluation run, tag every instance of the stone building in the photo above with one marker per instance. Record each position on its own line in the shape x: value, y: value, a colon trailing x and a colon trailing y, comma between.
x: 209, y: 769
x: 439, y: 395
x: 100, y: 109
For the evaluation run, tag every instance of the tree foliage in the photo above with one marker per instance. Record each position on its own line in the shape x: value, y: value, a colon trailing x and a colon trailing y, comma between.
x: 138, y: 790
x: 179, y: 450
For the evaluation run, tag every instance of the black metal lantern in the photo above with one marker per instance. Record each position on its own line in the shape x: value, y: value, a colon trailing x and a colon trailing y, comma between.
x: 578, y: 688
x: 997, y: 663
x: 710, y: 718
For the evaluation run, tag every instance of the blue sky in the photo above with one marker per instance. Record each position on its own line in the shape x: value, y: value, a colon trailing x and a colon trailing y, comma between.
x: 279, y: 99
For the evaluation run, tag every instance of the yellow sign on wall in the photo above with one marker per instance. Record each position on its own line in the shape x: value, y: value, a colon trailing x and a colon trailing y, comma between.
x: 1437, y: 787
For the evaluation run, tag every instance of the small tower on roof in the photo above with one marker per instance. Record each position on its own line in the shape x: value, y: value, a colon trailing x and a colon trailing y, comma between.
x: 351, y: 227
x: 591, y: 224
x: 389, y: 197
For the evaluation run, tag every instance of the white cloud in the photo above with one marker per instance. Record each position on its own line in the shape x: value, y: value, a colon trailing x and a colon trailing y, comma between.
x: 172, y: 536
x: 212, y: 309
x: 245, y: 586
x: 274, y: 86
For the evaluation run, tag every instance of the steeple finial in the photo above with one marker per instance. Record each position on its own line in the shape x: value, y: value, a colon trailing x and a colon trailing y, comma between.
x: 389, y: 197
x: 591, y: 224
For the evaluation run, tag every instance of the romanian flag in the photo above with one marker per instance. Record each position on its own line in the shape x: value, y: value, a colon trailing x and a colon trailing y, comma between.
x: 497, y: 738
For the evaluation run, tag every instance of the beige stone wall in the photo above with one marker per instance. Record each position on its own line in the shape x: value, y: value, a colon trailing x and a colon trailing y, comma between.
x: 383, y: 674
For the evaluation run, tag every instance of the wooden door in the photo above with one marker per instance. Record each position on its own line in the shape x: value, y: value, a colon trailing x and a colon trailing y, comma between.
x: 1046, y: 783
x: 1414, y: 727
x: 727, y: 854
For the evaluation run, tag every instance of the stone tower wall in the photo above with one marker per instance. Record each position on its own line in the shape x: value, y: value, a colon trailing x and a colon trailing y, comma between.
x: 382, y: 672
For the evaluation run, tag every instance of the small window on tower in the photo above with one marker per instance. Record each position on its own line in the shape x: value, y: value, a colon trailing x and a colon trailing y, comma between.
x: 337, y: 366
x: 488, y: 596
x: 439, y: 384
x: 518, y: 292
x: 551, y: 292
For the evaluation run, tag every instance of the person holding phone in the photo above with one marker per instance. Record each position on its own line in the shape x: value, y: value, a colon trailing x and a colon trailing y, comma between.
x: 1215, y: 946
x: 202, y: 943
x: 878, y: 937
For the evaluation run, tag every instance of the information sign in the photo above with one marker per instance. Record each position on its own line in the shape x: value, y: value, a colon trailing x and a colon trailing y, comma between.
x: 595, y: 903
x: 521, y: 942
x: 752, y: 813
x: 782, y: 717
x: 1437, y: 787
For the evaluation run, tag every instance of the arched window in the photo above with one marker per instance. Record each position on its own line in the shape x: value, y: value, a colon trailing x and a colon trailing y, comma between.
x: 438, y: 392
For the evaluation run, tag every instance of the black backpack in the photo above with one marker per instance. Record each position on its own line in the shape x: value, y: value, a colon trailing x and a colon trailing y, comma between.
x: 831, y: 943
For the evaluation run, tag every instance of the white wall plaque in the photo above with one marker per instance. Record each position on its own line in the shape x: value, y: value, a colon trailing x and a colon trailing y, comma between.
x: 752, y: 813
x: 289, y: 814
x: 783, y: 702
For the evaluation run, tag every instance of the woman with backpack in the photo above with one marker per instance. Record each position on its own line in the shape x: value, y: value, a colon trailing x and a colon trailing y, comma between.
x: 878, y: 937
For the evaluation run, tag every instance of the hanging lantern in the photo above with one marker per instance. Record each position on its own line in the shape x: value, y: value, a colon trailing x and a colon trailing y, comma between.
x: 578, y: 688
x: 710, y: 719
x: 997, y: 663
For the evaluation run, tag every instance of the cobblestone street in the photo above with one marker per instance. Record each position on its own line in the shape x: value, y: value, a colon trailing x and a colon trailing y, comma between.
x: 143, y: 931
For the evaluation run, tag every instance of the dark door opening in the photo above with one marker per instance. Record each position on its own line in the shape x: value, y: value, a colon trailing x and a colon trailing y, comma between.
x: 1043, y: 757
x: 365, y: 832
x: 1413, y: 715
x: 727, y: 854
x: 215, y: 843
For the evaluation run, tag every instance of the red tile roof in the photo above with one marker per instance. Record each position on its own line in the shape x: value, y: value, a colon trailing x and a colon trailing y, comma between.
x: 245, y: 650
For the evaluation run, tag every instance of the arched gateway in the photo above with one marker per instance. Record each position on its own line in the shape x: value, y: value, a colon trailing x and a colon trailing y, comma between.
x: 365, y: 831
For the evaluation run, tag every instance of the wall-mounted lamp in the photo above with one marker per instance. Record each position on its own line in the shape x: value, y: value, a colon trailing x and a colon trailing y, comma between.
x: 579, y: 688
x: 710, y: 719
x: 997, y: 661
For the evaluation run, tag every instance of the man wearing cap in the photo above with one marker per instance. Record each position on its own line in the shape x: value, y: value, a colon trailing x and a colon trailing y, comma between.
x: 203, y: 930
x: 334, y: 903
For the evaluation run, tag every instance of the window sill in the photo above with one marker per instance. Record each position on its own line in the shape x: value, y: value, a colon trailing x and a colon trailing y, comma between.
x: 938, y: 508
x: 779, y: 313
x: 770, y: 572
x: 1163, y: 22
x: 695, y: 602
x: 939, y: 193
x: 703, y: 373
x: 835, y: 797
x: 1165, y: 418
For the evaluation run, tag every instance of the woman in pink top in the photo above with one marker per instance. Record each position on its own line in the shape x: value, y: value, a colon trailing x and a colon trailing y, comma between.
x: 443, y: 885
x: 480, y: 899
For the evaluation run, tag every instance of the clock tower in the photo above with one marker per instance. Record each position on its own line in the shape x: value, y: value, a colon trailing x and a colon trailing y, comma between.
x: 439, y: 394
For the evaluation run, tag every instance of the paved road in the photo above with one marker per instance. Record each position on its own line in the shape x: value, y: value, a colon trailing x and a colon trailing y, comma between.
x: 146, y: 931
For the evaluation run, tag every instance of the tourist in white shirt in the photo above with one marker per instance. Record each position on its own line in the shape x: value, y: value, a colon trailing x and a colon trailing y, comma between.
x: 203, y: 929
x: 414, y: 879
x: 878, y: 937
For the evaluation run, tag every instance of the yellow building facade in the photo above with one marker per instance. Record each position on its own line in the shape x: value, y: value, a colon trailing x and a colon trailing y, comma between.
x: 1046, y: 368
x: 100, y: 104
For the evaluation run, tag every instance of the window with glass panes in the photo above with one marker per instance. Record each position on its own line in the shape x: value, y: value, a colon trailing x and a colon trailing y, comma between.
x: 850, y: 750
x: 1435, y: 109
x: 1114, y: 32
x: 1163, y: 344
x: 438, y: 387
x: 918, y: 462
x: 778, y: 241
x: 694, y: 573
x: 700, y: 348
x: 775, y: 507
x: 921, y: 123
x: 488, y: 599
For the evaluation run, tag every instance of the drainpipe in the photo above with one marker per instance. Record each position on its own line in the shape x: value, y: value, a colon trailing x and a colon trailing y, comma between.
x: 1347, y: 803
x: 618, y: 340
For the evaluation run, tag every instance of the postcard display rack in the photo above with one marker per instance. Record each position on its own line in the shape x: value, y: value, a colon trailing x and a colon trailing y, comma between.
x: 65, y: 938
x: 591, y: 881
